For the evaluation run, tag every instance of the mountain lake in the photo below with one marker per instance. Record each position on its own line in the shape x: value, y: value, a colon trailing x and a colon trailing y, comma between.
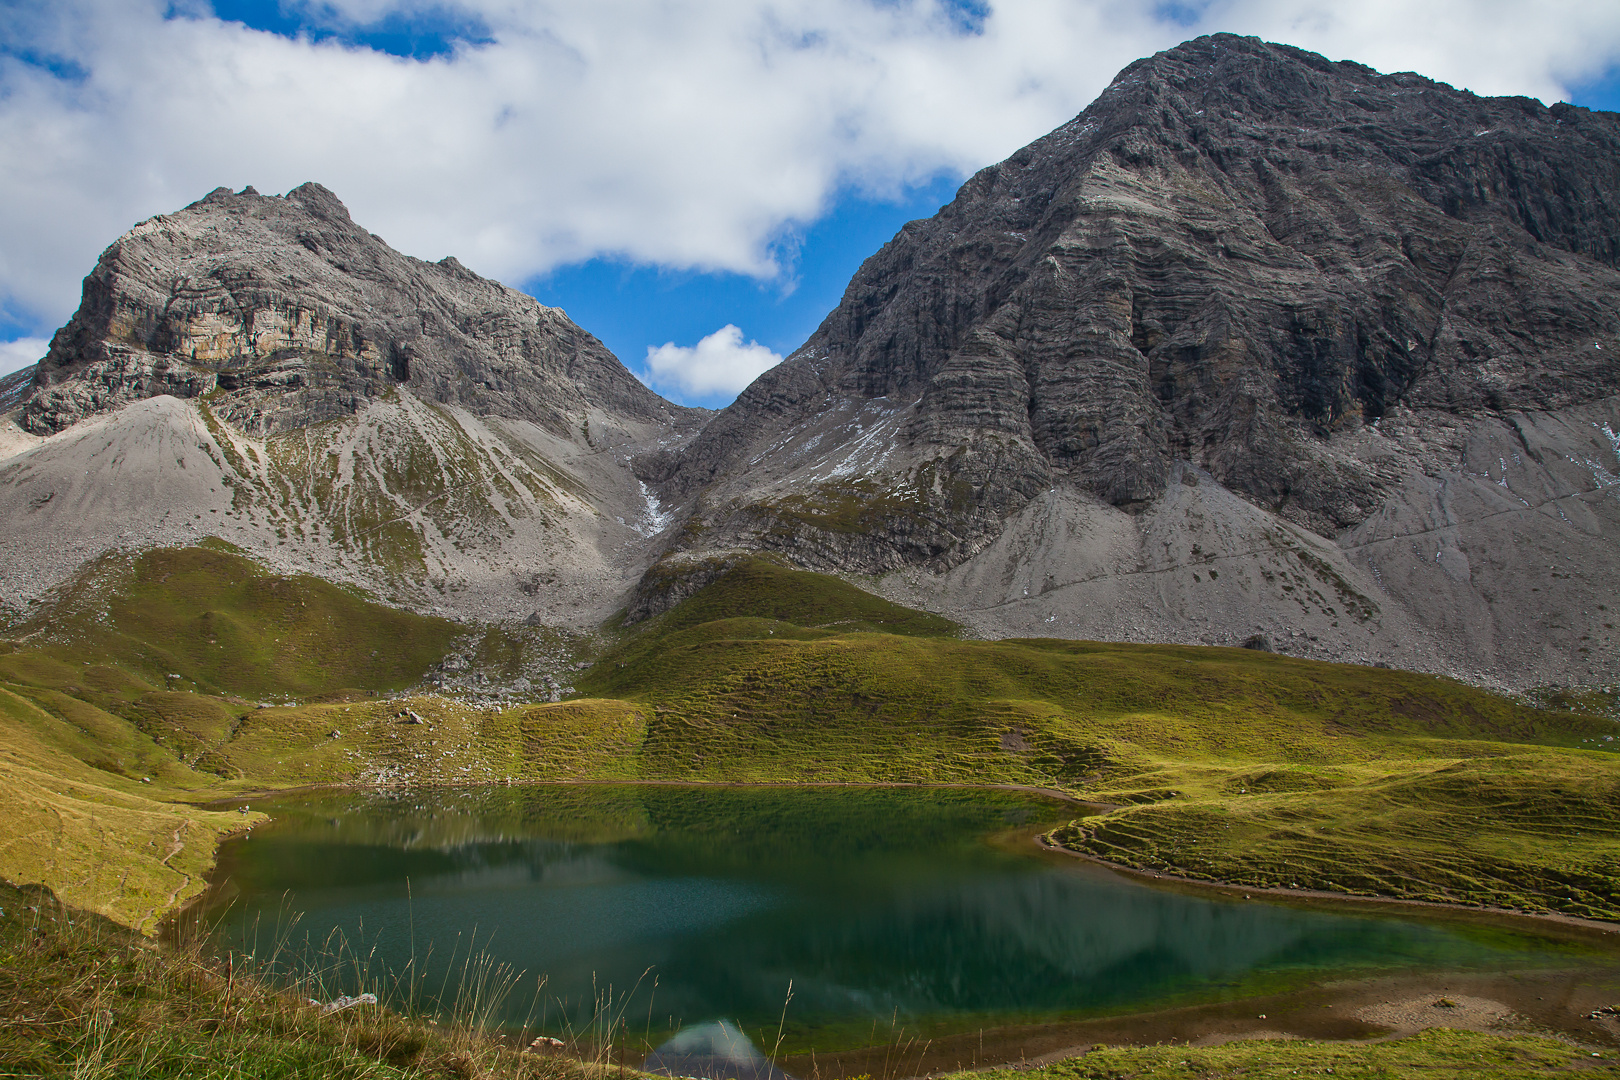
x: 810, y: 920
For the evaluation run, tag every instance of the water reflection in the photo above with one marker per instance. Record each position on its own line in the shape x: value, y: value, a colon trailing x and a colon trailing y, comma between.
x: 709, y: 902
x: 713, y: 1051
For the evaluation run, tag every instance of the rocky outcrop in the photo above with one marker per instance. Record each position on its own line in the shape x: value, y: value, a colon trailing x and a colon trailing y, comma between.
x: 1240, y: 256
x: 285, y: 313
x: 1258, y: 348
x: 15, y: 387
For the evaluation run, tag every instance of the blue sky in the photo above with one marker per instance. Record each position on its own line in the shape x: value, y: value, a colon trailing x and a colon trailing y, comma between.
x: 703, y: 174
x: 632, y: 308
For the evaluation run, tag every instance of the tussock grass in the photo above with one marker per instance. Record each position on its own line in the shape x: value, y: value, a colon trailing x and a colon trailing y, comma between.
x: 86, y: 998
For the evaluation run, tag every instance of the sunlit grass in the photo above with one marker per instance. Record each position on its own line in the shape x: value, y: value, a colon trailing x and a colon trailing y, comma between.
x: 1226, y: 763
x: 1438, y: 1053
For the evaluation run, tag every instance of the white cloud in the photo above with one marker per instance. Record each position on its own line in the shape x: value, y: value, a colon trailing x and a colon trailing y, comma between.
x: 18, y: 354
x: 683, y: 133
x: 717, y: 364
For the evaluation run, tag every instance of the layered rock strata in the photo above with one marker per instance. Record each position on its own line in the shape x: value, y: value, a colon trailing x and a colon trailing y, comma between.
x: 263, y: 370
x: 1382, y: 313
x: 1241, y: 255
x: 285, y: 313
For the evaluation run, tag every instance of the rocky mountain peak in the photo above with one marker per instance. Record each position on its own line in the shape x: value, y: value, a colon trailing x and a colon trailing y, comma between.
x: 285, y: 313
x: 1259, y: 343
x: 1239, y: 255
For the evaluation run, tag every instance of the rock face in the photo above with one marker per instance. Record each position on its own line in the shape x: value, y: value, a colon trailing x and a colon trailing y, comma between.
x: 1382, y: 312
x: 286, y: 313
x: 1240, y: 255
x: 264, y: 371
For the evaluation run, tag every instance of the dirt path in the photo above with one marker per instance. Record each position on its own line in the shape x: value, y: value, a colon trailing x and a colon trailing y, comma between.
x: 176, y: 846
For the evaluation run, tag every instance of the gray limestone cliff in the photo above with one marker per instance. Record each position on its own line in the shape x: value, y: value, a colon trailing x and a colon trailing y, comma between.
x: 263, y: 370
x: 285, y: 313
x: 1258, y: 344
x: 1240, y: 256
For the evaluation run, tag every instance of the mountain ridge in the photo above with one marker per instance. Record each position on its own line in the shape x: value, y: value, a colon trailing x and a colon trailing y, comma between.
x: 1348, y: 298
x: 1258, y: 346
x: 904, y: 319
x: 262, y: 369
x: 286, y: 313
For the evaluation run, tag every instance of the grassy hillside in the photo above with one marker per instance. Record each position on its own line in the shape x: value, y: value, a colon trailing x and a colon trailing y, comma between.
x: 115, y: 700
x: 145, y: 692
x: 85, y: 998
x: 205, y: 618
x: 1223, y: 763
x: 1226, y: 764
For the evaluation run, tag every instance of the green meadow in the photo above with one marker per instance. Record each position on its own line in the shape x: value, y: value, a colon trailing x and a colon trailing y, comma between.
x: 157, y: 685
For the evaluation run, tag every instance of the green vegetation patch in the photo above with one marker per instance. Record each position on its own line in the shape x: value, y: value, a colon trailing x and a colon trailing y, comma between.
x: 757, y: 588
x: 206, y: 619
x: 1532, y: 829
x: 119, y: 711
x: 144, y: 685
x: 78, y: 815
x: 1226, y: 764
x: 851, y: 508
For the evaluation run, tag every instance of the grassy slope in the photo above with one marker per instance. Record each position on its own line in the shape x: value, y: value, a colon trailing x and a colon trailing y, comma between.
x: 85, y: 998
x: 206, y: 619
x: 113, y: 702
x: 1228, y: 763
x: 1225, y: 763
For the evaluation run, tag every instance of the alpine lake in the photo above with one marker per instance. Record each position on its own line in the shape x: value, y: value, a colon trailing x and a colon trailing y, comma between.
x: 876, y: 930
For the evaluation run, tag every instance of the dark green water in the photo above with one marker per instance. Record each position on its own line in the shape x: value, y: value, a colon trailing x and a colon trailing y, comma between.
x: 877, y: 905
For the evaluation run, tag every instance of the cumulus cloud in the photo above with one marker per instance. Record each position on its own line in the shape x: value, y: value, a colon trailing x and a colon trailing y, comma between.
x: 18, y: 354
x: 689, y: 134
x: 718, y: 364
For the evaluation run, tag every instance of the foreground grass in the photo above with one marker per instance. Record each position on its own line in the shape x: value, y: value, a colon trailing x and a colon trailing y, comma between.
x: 86, y: 998
x: 1438, y: 1053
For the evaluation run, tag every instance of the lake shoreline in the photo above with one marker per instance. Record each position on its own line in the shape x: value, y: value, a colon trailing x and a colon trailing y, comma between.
x: 1032, y: 789
x: 1323, y: 894
x: 1355, y: 1011
x: 1039, y: 840
x: 1304, y: 1013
